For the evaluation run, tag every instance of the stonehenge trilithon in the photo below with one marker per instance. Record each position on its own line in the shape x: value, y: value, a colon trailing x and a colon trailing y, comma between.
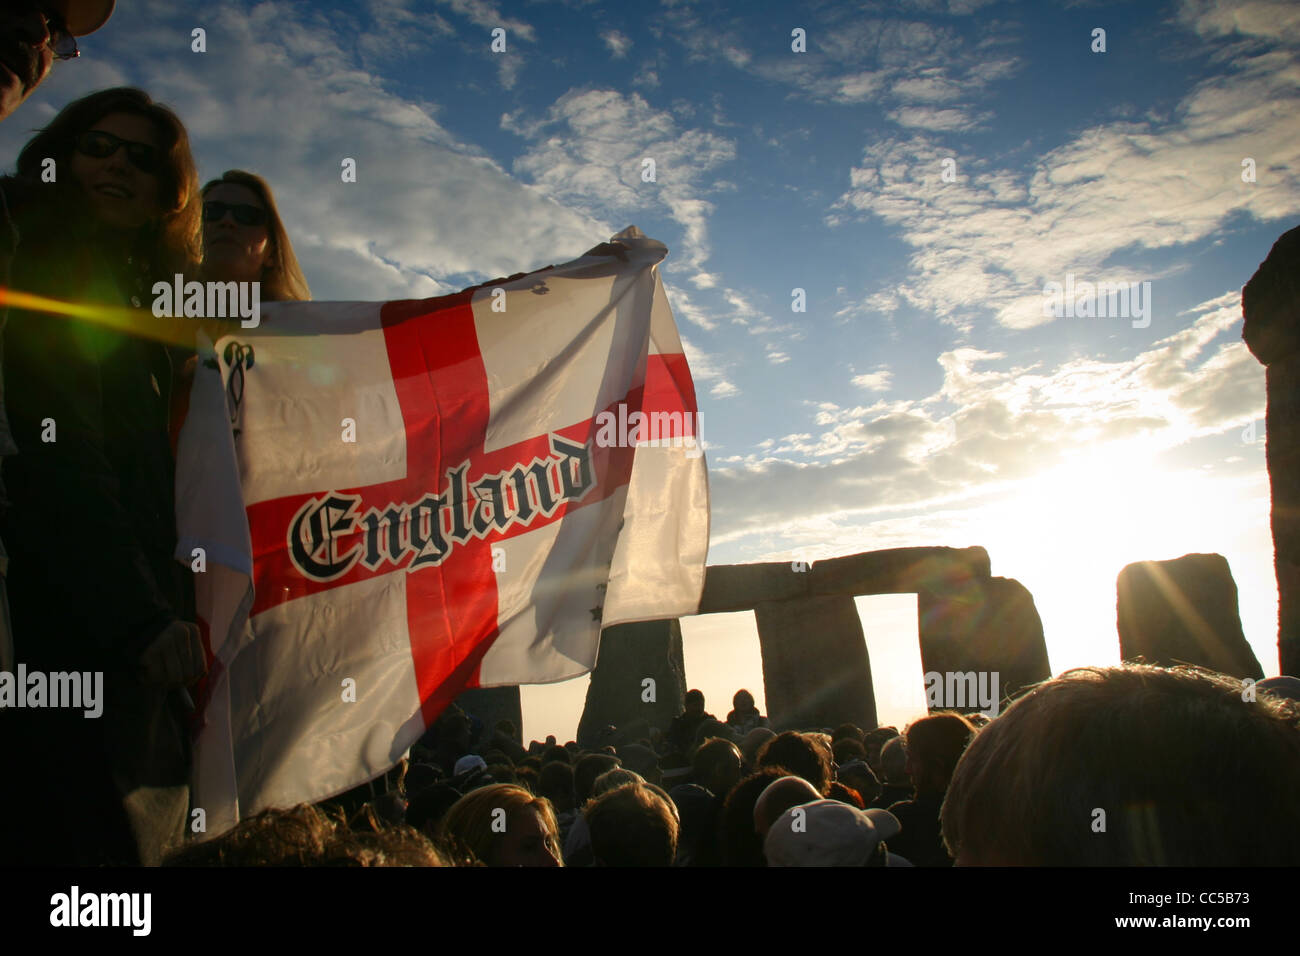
x: 1183, y: 611
x: 816, y: 670
x: 1270, y: 304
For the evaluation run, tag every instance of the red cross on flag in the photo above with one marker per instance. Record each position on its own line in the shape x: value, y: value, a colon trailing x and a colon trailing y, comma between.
x: 428, y: 496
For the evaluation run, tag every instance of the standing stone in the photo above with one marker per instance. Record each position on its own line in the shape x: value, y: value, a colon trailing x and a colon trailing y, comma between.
x: 1270, y: 304
x: 1183, y: 611
x: 617, y: 694
x: 987, y: 627
x: 816, y: 672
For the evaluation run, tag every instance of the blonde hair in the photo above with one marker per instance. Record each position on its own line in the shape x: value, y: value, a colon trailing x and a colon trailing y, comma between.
x: 282, y: 278
x: 470, y: 818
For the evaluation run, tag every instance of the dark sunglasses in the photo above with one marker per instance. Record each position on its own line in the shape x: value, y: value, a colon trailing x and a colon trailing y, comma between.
x: 61, y: 43
x: 245, y: 215
x: 100, y: 145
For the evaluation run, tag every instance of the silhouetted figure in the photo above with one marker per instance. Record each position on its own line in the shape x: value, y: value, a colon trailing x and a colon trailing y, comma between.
x: 934, y: 745
x: 744, y: 716
x: 681, y: 734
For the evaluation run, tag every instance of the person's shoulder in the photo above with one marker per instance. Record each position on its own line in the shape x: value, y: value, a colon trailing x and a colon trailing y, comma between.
x: 902, y: 808
x: 19, y: 193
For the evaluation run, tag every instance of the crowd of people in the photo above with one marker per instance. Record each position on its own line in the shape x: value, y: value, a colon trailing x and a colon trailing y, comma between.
x: 1120, y: 766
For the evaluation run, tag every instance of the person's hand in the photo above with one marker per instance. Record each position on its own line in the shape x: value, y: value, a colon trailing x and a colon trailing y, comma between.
x: 175, y: 657
x: 615, y: 248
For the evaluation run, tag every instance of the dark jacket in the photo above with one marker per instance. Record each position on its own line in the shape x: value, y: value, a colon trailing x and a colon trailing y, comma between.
x: 91, y: 526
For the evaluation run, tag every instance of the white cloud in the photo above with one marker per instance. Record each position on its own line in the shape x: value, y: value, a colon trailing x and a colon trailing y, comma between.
x: 484, y: 14
x: 590, y: 150
x: 1006, y: 423
x: 992, y: 239
x: 618, y: 43
x: 878, y: 381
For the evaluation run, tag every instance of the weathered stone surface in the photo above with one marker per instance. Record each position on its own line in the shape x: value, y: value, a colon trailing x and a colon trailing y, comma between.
x: 899, y: 571
x: 1183, y: 611
x: 1270, y: 302
x: 989, y: 626
x: 1270, y: 305
x: 491, y: 704
x: 816, y: 672
x: 1282, y: 453
x: 629, y: 653
x: 740, y: 587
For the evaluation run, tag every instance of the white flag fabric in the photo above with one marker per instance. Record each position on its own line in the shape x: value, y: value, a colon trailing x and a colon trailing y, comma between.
x: 432, y: 495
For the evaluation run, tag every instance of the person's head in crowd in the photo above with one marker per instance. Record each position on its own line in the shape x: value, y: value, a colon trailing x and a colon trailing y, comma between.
x: 641, y: 760
x: 1193, y: 775
x: 588, y: 768
x: 743, y: 702
x: 711, y: 727
x: 846, y: 749
x: 779, y: 796
x: 632, y: 825
x: 306, y: 836
x: 741, y: 845
x: 801, y: 755
x: 873, y: 740
x: 830, y: 833
x: 695, y: 809
x: 573, y: 749
x: 388, y: 809
x: 505, y: 825
x: 613, y: 778
x: 244, y: 239
x: 694, y: 702
x: 419, y: 776
x: 858, y: 776
x: 425, y: 808
x: 555, y: 783
x: 33, y: 34
x: 846, y: 732
x: 554, y: 753
x: 528, y: 777
x: 501, y: 773
x: 550, y: 740
x: 470, y: 763
x: 716, y: 766
x: 1287, y: 688
x: 893, y: 762
x: 491, y: 757
x: 845, y: 794
x: 506, y: 729
x: 934, y: 745
x: 130, y: 175
x: 753, y: 742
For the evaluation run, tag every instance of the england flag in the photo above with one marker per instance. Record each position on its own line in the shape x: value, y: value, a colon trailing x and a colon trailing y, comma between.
x: 393, y: 502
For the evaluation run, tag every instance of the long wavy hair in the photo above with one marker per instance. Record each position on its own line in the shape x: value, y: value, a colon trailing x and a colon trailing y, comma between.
x: 282, y: 279
x: 173, y: 242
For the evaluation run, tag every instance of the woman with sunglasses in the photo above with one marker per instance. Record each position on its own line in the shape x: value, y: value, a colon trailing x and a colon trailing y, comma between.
x: 111, y: 207
x: 244, y: 239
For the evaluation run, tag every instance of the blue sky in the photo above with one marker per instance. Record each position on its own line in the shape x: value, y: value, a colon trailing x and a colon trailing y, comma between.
x: 922, y: 397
